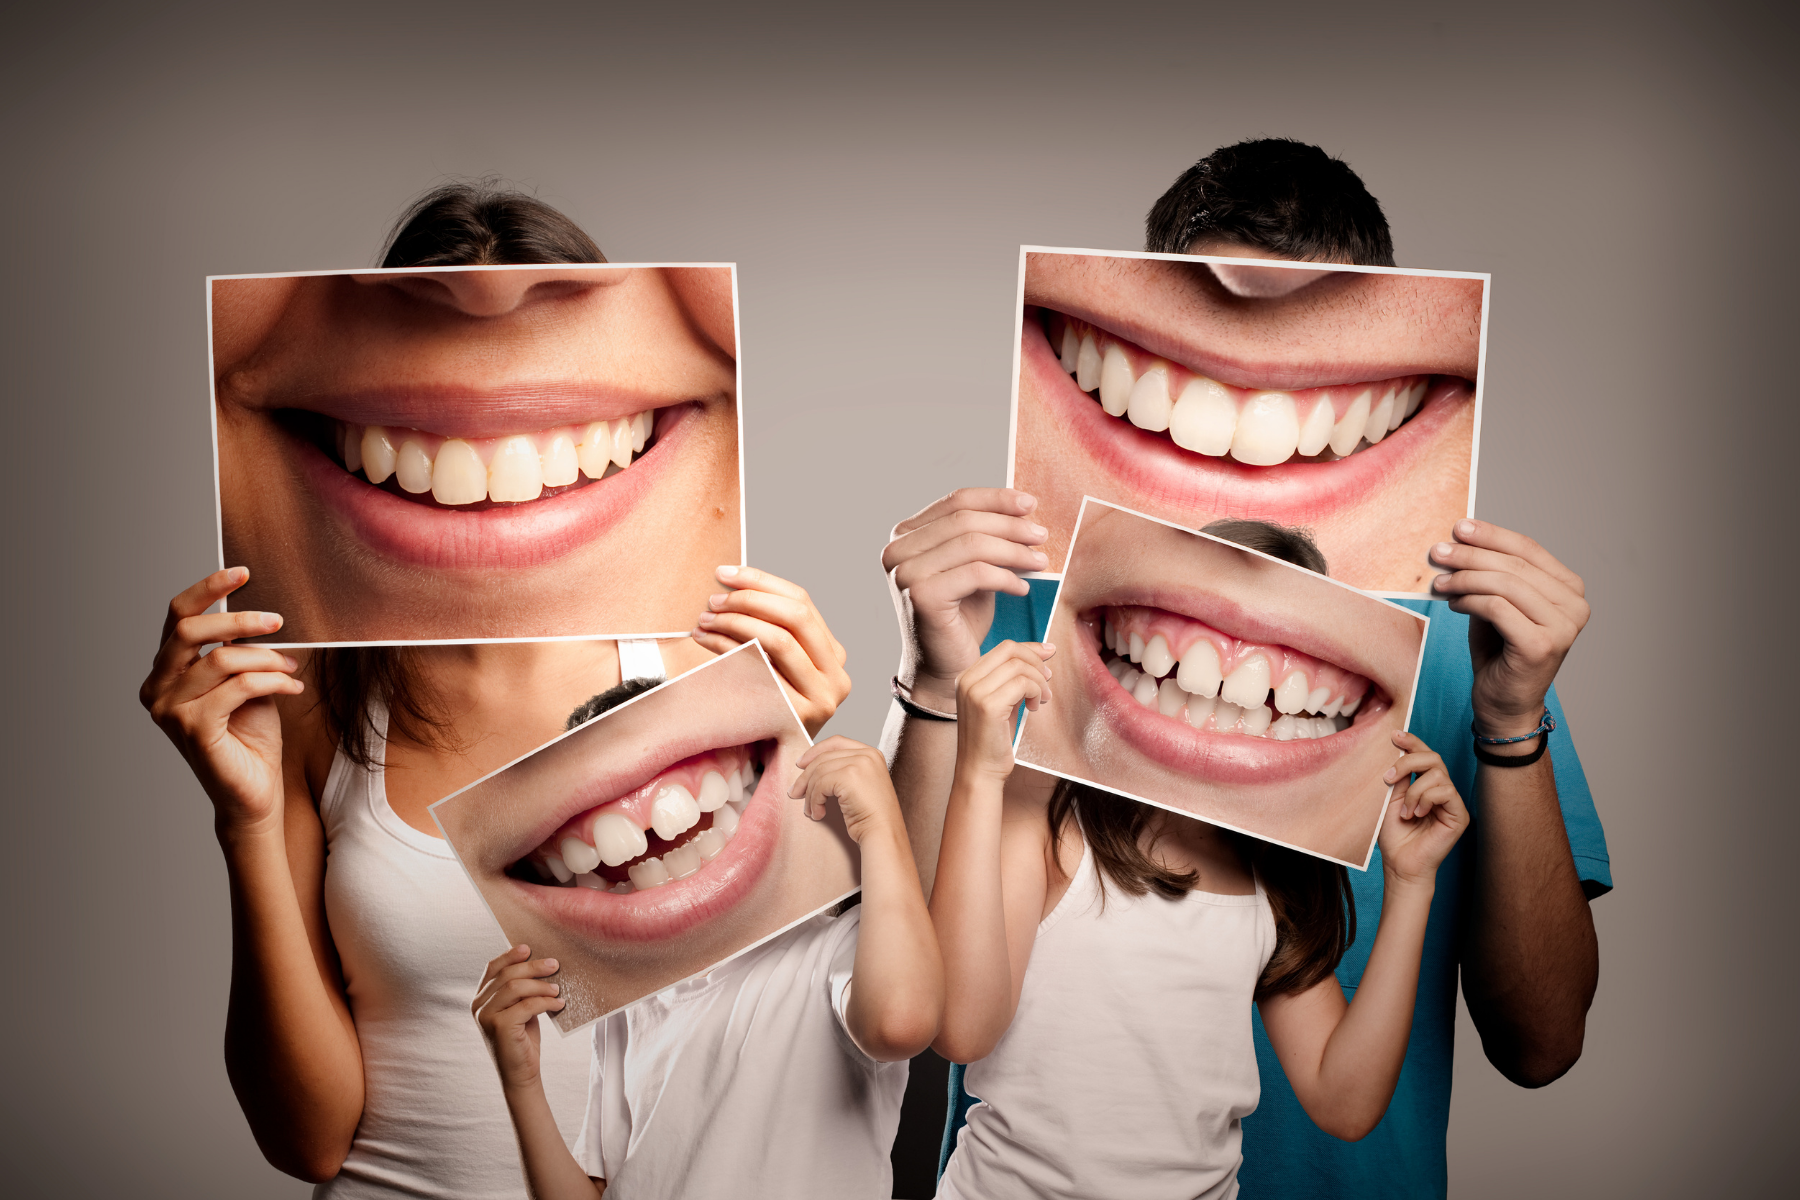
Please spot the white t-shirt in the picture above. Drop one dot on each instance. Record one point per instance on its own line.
(1129, 1063)
(744, 1082)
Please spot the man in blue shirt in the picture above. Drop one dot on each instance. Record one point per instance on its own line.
(1511, 910)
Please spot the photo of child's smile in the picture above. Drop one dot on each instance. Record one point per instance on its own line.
(1221, 683)
(420, 455)
(1340, 400)
(656, 840)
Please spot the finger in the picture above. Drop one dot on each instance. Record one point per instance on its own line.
(499, 962)
(794, 664)
(203, 595)
(950, 588)
(967, 548)
(998, 500)
(212, 711)
(1427, 782)
(1518, 630)
(1412, 764)
(762, 581)
(222, 664)
(1516, 590)
(181, 644)
(1020, 530)
(1494, 537)
(798, 617)
(835, 744)
(1457, 557)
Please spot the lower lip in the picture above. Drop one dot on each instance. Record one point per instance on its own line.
(680, 905)
(525, 535)
(1213, 757)
(1150, 464)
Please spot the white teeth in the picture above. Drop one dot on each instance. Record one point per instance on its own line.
(457, 476)
(1315, 432)
(1115, 381)
(623, 441)
(1169, 698)
(379, 455)
(622, 888)
(1145, 692)
(1136, 647)
(1268, 430)
(708, 844)
(1117, 667)
(558, 868)
(595, 450)
(1347, 434)
(352, 447)
(681, 861)
(1377, 428)
(1157, 659)
(1071, 348)
(1348, 707)
(517, 473)
(1285, 729)
(1415, 395)
(561, 465)
(578, 856)
(1226, 715)
(1087, 364)
(1149, 405)
(1315, 700)
(591, 880)
(648, 874)
(738, 786)
(1399, 413)
(1204, 419)
(1249, 683)
(641, 426)
(1256, 720)
(1290, 697)
(1108, 636)
(1199, 708)
(1199, 671)
(673, 812)
(725, 820)
(412, 467)
(616, 839)
(1129, 678)
(1323, 727)
(714, 792)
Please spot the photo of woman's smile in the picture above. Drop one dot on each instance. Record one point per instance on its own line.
(478, 453)
(656, 840)
(1217, 682)
(1338, 400)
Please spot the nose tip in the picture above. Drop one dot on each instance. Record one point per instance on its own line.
(1263, 283)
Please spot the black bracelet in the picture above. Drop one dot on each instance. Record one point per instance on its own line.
(917, 710)
(1482, 754)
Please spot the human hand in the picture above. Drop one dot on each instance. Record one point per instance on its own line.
(854, 775)
(784, 619)
(1424, 818)
(944, 565)
(219, 708)
(1525, 610)
(514, 991)
(987, 694)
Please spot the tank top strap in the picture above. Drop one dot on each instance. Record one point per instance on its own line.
(641, 658)
(346, 775)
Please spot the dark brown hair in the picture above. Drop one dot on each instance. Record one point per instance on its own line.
(1314, 909)
(457, 225)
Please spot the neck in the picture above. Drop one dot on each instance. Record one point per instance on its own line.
(508, 689)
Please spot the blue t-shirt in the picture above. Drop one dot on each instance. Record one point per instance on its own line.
(1285, 1154)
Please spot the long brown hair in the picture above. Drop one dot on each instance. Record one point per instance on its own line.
(456, 225)
(1314, 909)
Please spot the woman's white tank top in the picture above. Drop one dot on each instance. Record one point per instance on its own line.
(1129, 1063)
(413, 936)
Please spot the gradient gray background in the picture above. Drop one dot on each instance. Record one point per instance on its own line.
(1626, 174)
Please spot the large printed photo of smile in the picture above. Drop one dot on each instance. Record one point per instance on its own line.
(1223, 683)
(1194, 388)
(655, 841)
(479, 453)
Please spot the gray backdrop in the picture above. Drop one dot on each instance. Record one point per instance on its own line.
(1625, 173)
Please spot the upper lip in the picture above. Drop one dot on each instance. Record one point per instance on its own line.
(463, 412)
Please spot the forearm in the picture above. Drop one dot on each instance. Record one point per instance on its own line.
(968, 912)
(921, 758)
(1531, 961)
(897, 994)
(551, 1172)
(290, 1047)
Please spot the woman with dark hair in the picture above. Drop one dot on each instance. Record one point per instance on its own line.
(348, 1041)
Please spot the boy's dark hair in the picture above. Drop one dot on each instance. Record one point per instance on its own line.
(484, 225)
(611, 698)
(1313, 906)
(1283, 196)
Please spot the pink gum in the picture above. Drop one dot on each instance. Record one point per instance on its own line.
(1182, 633)
(635, 805)
(1341, 396)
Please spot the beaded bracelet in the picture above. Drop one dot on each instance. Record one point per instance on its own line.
(1546, 726)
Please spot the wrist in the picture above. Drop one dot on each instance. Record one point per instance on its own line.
(1405, 888)
(1492, 724)
(929, 691)
(241, 835)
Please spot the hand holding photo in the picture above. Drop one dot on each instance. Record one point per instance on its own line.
(1226, 683)
(476, 453)
(655, 840)
(1193, 388)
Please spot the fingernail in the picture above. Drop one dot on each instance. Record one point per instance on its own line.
(1442, 550)
(558, 990)
(237, 574)
(1049, 645)
(716, 601)
(1466, 528)
(271, 620)
(1389, 777)
(1039, 532)
(292, 665)
(552, 963)
(1040, 556)
(728, 572)
(706, 618)
(1439, 582)
(1027, 503)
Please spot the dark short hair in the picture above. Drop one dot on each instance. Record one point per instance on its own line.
(1279, 195)
(1277, 541)
(484, 225)
(610, 699)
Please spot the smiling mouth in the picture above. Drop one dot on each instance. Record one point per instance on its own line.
(1211, 682)
(1256, 427)
(667, 829)
(476, 473)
